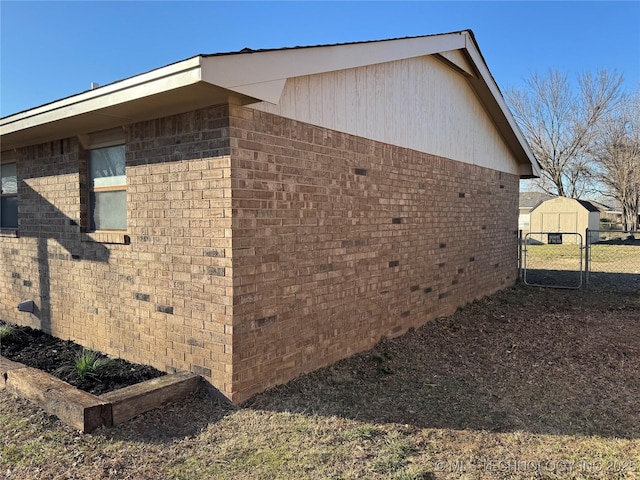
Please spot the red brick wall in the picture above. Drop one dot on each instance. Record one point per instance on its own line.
(164, 298)
(339, 240)
(259, 247)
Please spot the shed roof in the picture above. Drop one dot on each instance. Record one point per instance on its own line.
(251, 76)
(588, 205)
(601, 206)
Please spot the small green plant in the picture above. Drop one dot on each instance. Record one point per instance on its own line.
(87, 363)
(5, 330)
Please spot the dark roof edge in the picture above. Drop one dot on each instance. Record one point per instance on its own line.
(300, 47)
(588, 205)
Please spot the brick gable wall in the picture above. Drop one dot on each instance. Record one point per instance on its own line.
(339, 240)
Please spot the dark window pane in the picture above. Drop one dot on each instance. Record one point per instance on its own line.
(107, 167)
(108, 210)
(9, 212)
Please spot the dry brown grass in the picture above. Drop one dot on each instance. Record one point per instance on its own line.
(529, 383)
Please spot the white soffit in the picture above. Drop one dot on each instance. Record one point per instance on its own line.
(267, 91)
(169, 90)
(255, 76)
(457, 60)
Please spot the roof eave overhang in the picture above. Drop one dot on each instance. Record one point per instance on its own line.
(169, 90)
(490, 95)
(256, 69)
(263, 75)
(247, 78)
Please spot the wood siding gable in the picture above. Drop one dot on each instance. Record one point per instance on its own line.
(419, 103)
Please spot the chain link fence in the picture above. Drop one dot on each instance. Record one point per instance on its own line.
(613, 260)
(602, 259)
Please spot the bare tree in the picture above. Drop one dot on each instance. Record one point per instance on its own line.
(617, 158)
(560, 125)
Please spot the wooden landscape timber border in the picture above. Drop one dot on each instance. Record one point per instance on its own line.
(85, 411)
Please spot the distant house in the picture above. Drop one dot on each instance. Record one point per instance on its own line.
(255, 215)
(527, 202)
(568, 215)
(610, 217)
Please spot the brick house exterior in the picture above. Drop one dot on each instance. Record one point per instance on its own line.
(259, 246)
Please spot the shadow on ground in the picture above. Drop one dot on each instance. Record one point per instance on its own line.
(602, 281)
(554, 278)
(558, 362)
(622, 282)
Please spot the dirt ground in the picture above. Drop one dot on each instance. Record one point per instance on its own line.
(528, 383)
(527, 358)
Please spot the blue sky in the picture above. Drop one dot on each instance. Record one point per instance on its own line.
(50, 50)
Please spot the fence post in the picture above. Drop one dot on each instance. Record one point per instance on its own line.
(587, 249)
(520, 276)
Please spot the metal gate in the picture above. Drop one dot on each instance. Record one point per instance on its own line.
(552, 259)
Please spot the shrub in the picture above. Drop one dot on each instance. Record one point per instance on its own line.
(87, 363)
(5, 330)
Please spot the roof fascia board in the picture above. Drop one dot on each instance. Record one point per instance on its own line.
(233, 71)
(150, 83)
(493, 89)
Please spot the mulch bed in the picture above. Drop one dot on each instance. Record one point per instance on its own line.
(37, 349)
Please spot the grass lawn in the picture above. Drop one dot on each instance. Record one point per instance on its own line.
(528, 383)
(604, 258)
(615, 258)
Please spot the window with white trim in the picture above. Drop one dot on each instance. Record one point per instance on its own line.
(8, 195)
(107, 188)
